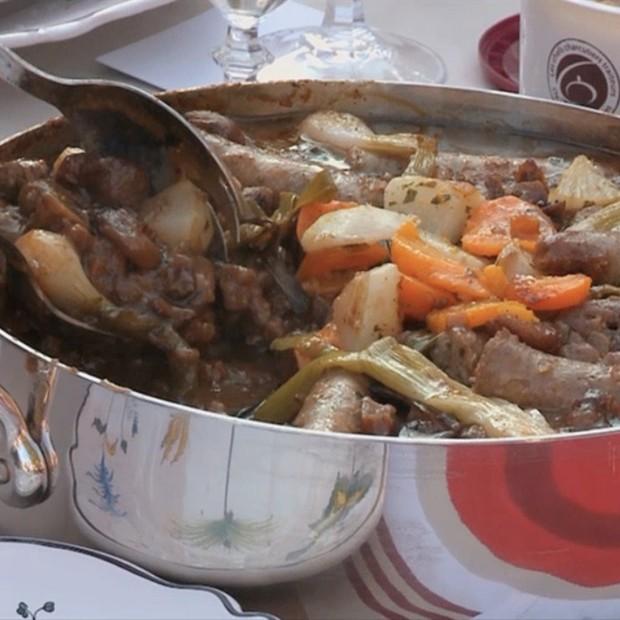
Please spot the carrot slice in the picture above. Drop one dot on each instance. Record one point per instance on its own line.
(494, 223)
(416, 258)
(494, 279)
(476, 314)
(310, 213)
(346, 257)
(550, 292)
(417, 299)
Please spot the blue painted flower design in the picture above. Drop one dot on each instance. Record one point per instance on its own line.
(103, 477)
(24, 611)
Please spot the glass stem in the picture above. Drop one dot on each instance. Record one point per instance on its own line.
(344, 13)
(242, 55)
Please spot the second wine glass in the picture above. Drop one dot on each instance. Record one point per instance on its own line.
(345, 47)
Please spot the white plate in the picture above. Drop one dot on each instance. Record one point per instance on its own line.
(28, 22)
(44, 580)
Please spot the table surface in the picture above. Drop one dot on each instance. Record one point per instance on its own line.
(450, 27)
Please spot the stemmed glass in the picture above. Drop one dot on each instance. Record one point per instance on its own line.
(344, 47)
(242, 54)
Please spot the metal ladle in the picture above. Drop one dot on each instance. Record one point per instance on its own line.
(111, 118)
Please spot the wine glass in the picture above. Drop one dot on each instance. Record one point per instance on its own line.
(344, 47)
(242, 54)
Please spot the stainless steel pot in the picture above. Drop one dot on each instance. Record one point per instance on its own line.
(203, 497)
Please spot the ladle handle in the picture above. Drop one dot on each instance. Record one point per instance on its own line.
(21, 74)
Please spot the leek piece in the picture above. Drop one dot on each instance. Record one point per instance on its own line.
(410, 374)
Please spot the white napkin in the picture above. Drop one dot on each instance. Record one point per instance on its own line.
(180, 56)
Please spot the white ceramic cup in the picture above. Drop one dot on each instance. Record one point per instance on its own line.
(570, 51)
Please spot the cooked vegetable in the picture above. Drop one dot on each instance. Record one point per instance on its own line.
(515, 261)
(495, 280)
(357, 225)
(582, 185)
(180, 216)
(56, 268)
(342, 132)
(417, 299)
(417, 258)
(367, 308)
(452, 252)
(550, 292)
(475, 314)
(495, 223)
(315, 264)
(410, 374)
(320, 189)
(440, 207)
(604, 220)
(311, 212)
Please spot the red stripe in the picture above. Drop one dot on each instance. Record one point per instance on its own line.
(366, 595)
(391, 590)
(405, 572)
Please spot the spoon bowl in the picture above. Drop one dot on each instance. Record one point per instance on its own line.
(116, 119)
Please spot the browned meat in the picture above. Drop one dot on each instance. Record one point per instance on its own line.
(593, 329)
(12, 222)
(105, 267)
(111, 181)
(377, 419)
(542, 335)
(50, 207)
(334, 404)
(125, 231)
(253, 166)
(556, 386)
(263, 196)
(456, 351)
(528, 172)
(217, 124)
(15, 174)
(596, 254)
(243, 291)
(535, 192)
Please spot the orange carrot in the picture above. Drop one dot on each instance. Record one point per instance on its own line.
(550, 292)
(417, 299)
(346, 257)
(327, 335)
(495, 280)
(416, 258)
(476, 314)
(310, 213)
(492, 225)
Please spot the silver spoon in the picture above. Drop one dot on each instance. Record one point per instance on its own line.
(112, 118)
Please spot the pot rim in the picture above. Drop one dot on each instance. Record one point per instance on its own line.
(243, 422)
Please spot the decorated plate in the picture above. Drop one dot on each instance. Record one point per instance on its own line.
(44, 580)
(28, 22)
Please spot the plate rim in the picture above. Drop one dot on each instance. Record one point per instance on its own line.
(70, 29)
(134, 569)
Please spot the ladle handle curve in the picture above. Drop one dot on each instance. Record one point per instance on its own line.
(21, 74)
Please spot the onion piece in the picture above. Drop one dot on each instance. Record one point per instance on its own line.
(515, 261)
(367, 308)
(583, 184)
(440, 206)
(180, 216)
(57, 269)
(363, 224)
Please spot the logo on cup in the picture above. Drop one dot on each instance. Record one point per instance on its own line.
(578, 72)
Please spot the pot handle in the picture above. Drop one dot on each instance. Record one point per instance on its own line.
(26, 474)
